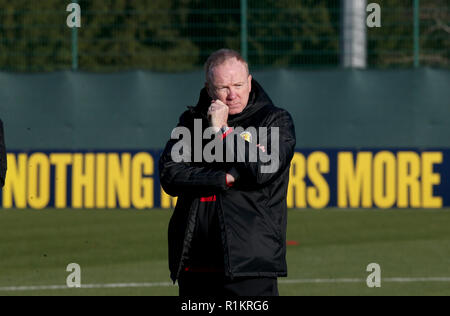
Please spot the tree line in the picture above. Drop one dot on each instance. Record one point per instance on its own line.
(178, 35)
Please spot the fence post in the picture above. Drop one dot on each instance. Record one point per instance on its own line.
(244, 30)
(416, 34)
(353, 42)
(75, 46)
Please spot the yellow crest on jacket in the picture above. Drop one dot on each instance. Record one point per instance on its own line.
(247, 136)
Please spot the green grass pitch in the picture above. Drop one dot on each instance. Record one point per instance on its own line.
(124, 252)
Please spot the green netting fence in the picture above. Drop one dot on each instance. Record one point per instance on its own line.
(178, 35)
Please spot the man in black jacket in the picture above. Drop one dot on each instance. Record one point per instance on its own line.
(227, 235)
(2, 157)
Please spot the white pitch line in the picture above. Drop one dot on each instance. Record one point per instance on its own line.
(321, 281)
(406, 280)
(349, 280)
(168, 284)
(83, 286)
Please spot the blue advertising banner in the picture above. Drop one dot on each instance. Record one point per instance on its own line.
(344, 178)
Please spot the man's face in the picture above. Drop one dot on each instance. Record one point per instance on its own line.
(231, 84)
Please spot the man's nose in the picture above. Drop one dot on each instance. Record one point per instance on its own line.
(231, 95)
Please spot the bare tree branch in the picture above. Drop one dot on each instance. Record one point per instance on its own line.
(442, 26)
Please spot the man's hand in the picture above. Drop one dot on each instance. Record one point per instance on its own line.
(218, 114)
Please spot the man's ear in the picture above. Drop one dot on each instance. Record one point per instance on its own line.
(250, 82)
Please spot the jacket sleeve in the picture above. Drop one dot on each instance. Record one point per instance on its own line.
(279, 143)
(185, 177)
(2, 157)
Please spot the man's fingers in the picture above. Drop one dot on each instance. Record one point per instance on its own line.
(218, 102)
(211, 109)
(218, 114)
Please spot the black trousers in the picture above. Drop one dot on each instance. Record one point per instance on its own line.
(209, 284)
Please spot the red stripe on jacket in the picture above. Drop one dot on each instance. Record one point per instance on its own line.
(208, 199)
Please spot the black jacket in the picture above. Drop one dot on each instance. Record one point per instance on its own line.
(2, 157)
(253, 212)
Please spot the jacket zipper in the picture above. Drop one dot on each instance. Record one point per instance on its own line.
(224, 236)
(184, 251)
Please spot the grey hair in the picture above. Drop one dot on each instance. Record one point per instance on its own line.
(218, 58)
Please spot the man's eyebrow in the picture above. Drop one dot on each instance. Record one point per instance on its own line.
(224, 86)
